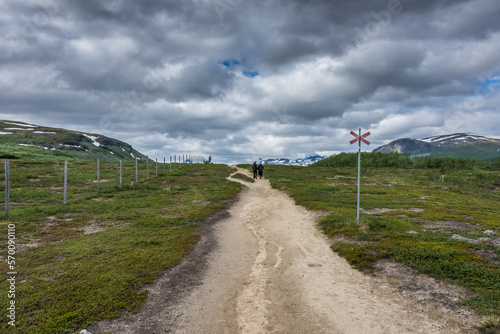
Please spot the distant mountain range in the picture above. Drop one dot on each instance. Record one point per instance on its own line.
(458, 145)
(34, 141)
(297, 162)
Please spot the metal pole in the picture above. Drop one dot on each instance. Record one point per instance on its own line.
(170, 164)
(121, 173)
(65, 182)
(98, 179)
(359, 172)
(136, 172)
(7, 188)
(164, 166)
(147, 167)
(156, 167)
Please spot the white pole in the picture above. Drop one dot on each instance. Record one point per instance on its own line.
(65, 182)
(359, 172)
(121, 173)
(7, 188)
(98, 179)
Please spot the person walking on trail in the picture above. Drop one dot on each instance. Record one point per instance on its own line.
(261, 169)
(254, 169)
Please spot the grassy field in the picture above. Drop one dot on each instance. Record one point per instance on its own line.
(87, 260)
(243, 177)
(412, 216)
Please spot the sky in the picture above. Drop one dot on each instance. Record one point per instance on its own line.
(241, 79)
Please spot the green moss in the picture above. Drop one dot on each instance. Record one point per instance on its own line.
(465, 203)
(72, 279)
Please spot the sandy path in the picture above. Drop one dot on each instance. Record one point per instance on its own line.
(273, 271)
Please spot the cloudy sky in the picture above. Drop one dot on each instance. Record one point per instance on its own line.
(241, 78)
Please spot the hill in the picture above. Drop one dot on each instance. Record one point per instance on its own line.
(457, 145)
(34, 141)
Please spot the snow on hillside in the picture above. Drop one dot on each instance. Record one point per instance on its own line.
(93, 138)
(455, 136)
(297, 162)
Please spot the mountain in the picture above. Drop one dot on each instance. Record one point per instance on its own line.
(34, 141)
(297, 162)
(458, 145)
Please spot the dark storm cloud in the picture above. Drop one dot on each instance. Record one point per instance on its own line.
(299, 68)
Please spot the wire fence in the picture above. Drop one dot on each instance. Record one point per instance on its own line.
(77, 172)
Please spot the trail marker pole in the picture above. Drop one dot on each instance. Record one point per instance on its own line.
(147, 167)
(65, 182)
(164, 166)
(156, 167)
(121, 173)
(136, 172)
(170, 164)
(359, 177)
(359, 138)
(7, 188)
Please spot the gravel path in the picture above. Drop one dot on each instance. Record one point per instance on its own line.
(273, 271)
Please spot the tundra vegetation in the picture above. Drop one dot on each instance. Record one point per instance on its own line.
(430, 214)
(89, 260)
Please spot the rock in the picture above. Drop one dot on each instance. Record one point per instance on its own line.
(489, 232)
(314, 265)
(472, 241)
(412, 232)
(84, 331)
(496, 242)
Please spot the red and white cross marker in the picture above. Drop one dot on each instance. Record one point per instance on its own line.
(360, 138)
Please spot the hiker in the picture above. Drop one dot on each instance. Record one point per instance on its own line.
(254, 169)
(261, 169)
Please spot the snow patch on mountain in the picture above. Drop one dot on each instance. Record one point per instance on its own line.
(93, 138)
(21, 124)
(296, 162)
(455, 136)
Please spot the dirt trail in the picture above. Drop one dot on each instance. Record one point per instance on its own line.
(273, 271)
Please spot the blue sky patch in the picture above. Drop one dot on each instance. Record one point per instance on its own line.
(252, 74)
(230, 62)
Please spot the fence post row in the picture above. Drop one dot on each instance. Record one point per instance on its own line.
(176, 164)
